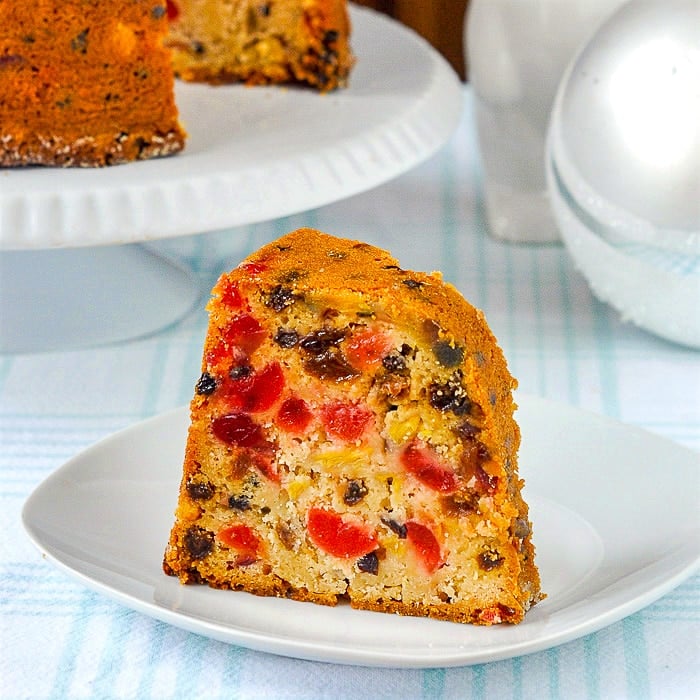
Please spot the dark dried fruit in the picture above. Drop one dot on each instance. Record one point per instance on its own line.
(198, 542)
(200, 490)
(412, 284)
(460, 503)
(240, 372)
(394, 363)
(396, 528)
(239, 502)
(521, 528)
(325, 359)
(354, 492)
(206, 384)
(467, 430)
(330, 366)
(11, 60)
(158, 11)
(369, 563)
(79, 42)
(286, 338)
(450, 396)
(286, 535)
(280, 297)
(448, 355)
(490, 560)
(322, 340)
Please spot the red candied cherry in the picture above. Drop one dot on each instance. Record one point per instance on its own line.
(263, 458)
(173, 10)
(345, 420)
(245, 332)
(251, 391)
(366, 349)
(422, 461)
(241, 337)
(238, 429)
(229, 294)
(348, 539)
(243, 540)
(294, 415)
(424, 545)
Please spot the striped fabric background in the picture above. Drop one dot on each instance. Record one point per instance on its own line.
(58, 640)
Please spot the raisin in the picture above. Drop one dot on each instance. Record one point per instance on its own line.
(521, 528)
(450, 396)
(412, 284)
(80, 41)
(355, 492)
(330, 36)
(200, 490)
(280, 297)
(239, 502)
(448, 355)
(198, 542)
(467, 430)
(490, 560)
(369, 563)
(396, 528)
(198, 48)
(286, 338)
(158, 11)
(394, 363)
(460, 503)
(286, 535)
(240, 371)
(11, 60)
(325, 360)
(321, 341)
(330, 365)
(206, 384)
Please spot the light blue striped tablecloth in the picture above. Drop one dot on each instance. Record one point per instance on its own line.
(59, 640)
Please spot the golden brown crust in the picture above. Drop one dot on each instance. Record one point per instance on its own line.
(85, 84)
(430, 482)
(259, 43)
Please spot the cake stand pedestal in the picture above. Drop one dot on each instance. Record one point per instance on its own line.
(68, 298)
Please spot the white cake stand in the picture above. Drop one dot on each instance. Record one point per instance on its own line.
(74, 270)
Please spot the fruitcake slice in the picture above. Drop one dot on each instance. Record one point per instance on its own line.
(352, 437)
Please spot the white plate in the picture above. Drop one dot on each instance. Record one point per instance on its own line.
(253, 154)
(615, 524)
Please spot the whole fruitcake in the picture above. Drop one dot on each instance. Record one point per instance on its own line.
(85, 83)
(256, 42)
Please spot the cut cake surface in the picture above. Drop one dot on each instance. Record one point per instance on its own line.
(85, 83)
(280, 41)
(352, 437)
